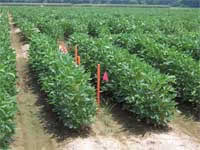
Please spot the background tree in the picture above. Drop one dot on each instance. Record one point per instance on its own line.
(188, 3)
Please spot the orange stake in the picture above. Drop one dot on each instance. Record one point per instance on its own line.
(76, 54)
(78, 60)
(98, 86)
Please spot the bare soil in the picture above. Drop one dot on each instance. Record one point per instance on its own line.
(30, 134)
(38, 128)
(117, 130)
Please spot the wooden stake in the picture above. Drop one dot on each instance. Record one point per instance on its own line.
(76, 54)
(78, 60)
(98, 86)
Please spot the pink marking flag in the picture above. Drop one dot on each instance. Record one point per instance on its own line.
(105, 77)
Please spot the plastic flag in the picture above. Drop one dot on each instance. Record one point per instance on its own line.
(105, 77)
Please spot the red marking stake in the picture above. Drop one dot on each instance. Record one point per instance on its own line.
(98, 85)
(78, 60)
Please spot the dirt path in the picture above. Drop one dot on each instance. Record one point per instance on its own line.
(30, 134)
(118, 131)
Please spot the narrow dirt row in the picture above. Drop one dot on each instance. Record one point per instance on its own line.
(30, 134)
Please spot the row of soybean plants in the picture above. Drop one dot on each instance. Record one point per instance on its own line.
(168, 60)
(180, 60)
(66, 85)
(175, 54)
(157, 112)
(177, 29)
(8, 82)
(180, 33)
(140, 88)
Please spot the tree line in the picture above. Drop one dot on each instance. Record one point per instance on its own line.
(189, 3)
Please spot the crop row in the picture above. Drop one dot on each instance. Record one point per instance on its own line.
(187, 42)
(178, 29)
(168, 60)
(8, 82)
(141, 89)
(66, 84)
(142, 94)
(183, 41)
(174, 58)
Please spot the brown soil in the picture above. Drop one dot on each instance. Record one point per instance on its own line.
(30, 134)
(117, 130)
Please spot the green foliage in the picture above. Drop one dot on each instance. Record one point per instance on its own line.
(166, 39)
(7, 86)
(120, 24)
(140, 88)
(57, 28)
(66, 84)
(189, 43)
(169, 61)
